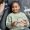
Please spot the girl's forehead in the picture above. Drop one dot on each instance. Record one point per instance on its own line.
(15, 3)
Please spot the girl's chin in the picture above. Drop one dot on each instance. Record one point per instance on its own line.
(15, 12)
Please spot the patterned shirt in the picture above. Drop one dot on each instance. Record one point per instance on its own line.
(16, 17)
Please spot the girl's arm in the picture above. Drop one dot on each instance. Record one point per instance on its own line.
(25, 18)
(8, 22)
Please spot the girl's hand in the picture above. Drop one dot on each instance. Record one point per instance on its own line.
(14, 24)
(23, 23)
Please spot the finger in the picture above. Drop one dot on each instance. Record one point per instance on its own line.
(21, 24)
(23, 21)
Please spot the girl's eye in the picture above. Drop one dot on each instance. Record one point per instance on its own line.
(15, 6)
(12, 6)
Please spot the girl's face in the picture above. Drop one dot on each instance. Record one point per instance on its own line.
(15, 7)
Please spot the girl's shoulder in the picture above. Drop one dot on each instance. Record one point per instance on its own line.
(22, 13)
(10, 14)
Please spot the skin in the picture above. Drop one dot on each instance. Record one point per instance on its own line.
(15, 7)
(22, 23)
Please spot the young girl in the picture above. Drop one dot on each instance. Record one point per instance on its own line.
(16, 20)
